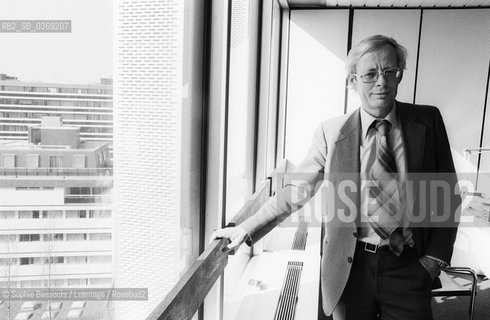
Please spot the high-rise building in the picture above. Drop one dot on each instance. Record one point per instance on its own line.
(55, 209)
(88, 106)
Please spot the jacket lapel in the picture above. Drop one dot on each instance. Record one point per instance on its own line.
(347, 162)
(348, 144)
(413, 136)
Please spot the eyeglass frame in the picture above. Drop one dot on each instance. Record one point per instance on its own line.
(382, 72)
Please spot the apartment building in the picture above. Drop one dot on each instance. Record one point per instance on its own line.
(55, 209)
(23, 104)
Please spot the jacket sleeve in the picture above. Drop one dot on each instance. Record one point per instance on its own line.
(442, 236)
(299, 187)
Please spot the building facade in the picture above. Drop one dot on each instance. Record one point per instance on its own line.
(23, 104)
(55, 209)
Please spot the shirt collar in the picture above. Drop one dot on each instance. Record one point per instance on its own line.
(367, 119)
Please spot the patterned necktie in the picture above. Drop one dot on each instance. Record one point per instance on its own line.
(384, 213)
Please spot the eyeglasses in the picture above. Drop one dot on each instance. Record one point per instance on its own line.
(388, 74)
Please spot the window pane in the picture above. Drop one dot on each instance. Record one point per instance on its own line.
(76, 260)
(76, 237)
(29, 237)
(32, 161)
(79, 161)
(100, 236)
(243, 91)
(53, 237)
(55, 162)
(53, 214)
(241, 109)
(100, 259)
(7, 238)
(7, 214)
(103, 214)
(8, 161)
(100, 281)
(76, 214)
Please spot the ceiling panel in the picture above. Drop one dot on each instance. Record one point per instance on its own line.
(389, 3)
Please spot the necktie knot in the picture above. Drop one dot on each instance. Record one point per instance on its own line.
(383, 127)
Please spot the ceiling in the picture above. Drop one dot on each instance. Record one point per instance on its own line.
(390, 3)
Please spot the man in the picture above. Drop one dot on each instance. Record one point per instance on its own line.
(376, 260)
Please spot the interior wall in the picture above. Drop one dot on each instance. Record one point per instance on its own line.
(454, 53)
(316, 81)
(452, 71)
(484, 176)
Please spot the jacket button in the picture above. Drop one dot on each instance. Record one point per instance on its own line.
(355, 234)
(349, 259)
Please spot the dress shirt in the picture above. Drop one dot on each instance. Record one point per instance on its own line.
(368, 156)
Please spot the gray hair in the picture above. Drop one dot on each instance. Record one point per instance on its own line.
(371, 44)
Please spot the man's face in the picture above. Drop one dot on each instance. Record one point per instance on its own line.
(376, 97)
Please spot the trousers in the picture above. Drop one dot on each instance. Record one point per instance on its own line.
(384, 286)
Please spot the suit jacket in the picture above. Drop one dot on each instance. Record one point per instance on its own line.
(334, 157)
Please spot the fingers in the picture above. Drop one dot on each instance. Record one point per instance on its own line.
(234, 244)
(222, 233)
(215, 235)
(236, 235)
(394, 251)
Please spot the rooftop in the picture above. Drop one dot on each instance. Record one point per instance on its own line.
(24, 145)
(14, 81)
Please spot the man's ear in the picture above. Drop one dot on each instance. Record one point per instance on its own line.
(351, 81)
(401, 77)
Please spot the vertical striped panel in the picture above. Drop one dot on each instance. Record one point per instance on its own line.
(148, 44)
(301, 235)
(288, 298)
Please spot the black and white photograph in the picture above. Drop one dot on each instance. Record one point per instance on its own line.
(244, 159)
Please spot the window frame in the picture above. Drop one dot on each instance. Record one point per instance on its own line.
(9, 160)
(267, 113)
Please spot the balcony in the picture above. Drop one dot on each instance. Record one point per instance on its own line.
(54, 225)
(33, 172)
(88, 199)
(58, 269)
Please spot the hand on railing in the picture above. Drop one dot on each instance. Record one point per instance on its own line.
(235, 234)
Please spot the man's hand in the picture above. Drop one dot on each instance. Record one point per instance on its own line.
(236, 235)
(431, 266)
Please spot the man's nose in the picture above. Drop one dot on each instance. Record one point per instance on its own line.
(381, 79)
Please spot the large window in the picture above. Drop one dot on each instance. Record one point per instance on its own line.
(7, 215)
(29, 214)
(76, 237)
(32, 161)
(8, 160)
(55, 161)
(242, 102)
(245, 115)
(56, 119)
(29, 237)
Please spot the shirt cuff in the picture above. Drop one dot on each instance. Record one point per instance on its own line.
(442, 264)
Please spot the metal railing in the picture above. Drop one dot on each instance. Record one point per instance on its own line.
(88, 198)
(45, 171)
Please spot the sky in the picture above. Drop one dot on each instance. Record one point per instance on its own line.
(82, 56)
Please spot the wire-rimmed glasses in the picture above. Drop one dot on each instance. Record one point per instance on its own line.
(388, 74)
